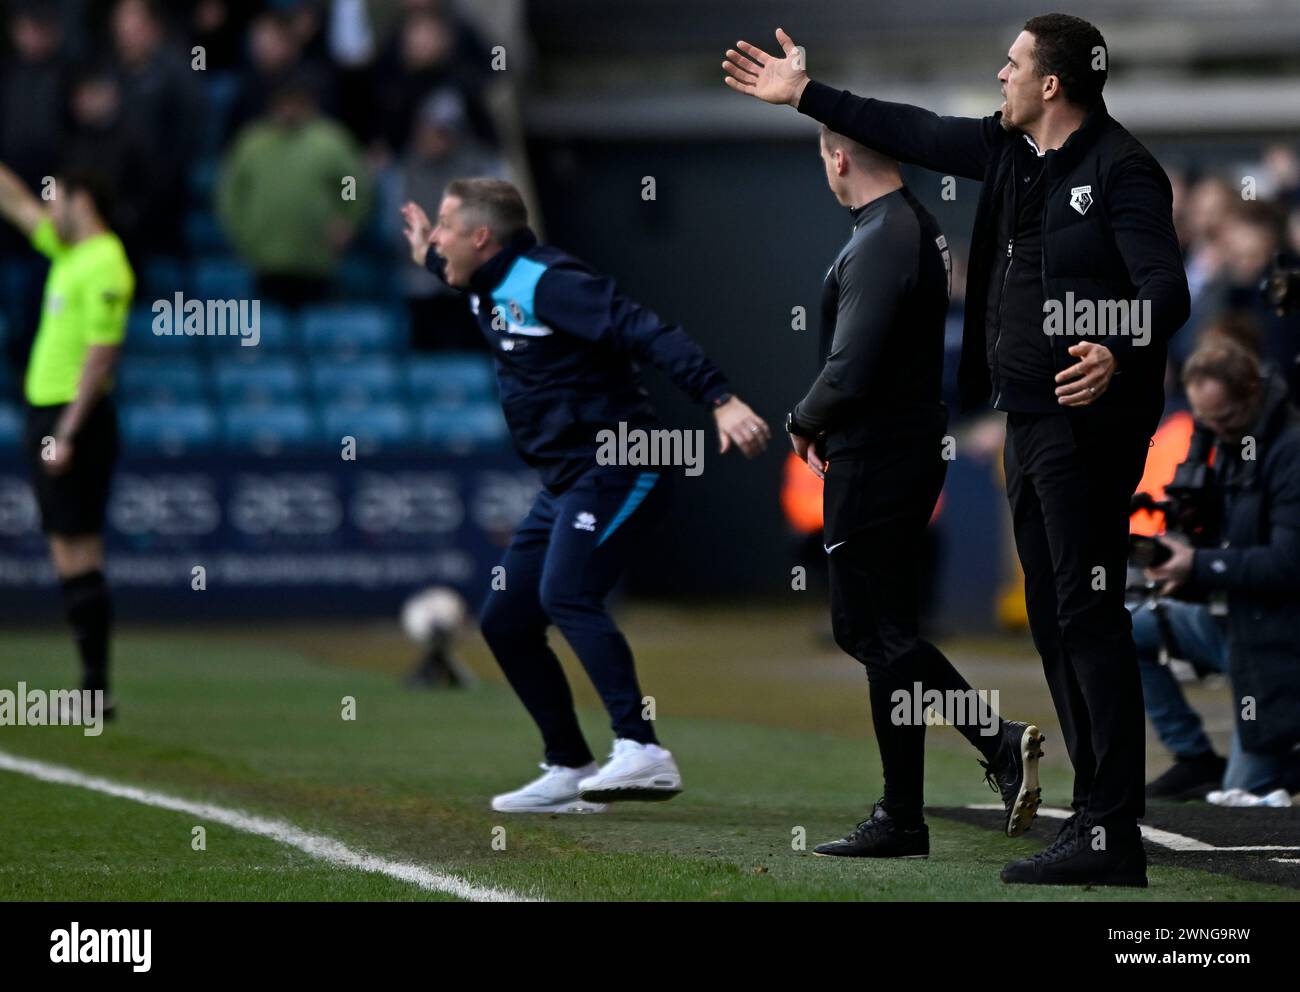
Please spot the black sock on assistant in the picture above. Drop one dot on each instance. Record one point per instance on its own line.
(902, 755)
(90, 614)
(937, 672)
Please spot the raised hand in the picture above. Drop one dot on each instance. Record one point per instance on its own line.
(773, 80)
(416, 229)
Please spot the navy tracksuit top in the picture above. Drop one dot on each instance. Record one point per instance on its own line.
(567, 345)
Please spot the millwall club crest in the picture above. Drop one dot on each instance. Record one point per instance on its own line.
(1081, 198)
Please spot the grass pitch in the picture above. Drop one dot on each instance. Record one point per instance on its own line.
(768, 722)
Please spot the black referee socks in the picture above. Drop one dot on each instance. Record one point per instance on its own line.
(90, 613)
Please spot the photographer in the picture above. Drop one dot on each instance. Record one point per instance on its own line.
(1255, 570)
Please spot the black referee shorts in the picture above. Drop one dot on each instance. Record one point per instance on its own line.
(73, 503)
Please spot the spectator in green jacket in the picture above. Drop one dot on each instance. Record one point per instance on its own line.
(293, 192)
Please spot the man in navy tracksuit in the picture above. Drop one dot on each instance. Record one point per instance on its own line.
(1073, 210)
(567, 346)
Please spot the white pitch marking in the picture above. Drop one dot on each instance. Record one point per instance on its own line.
(316, 845)
(1165, 838)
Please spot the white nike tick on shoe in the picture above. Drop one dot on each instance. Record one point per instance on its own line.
(635, 771)
(555, 792)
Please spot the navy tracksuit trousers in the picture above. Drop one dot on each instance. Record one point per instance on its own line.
(565, 558)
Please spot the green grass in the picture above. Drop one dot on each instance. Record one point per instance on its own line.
(769, 726)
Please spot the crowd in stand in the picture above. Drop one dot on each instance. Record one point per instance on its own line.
(234, 127)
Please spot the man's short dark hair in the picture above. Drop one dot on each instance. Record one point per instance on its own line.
(91, 182)
(867, 158)
(1224, 361)
(493, 203)
(1073, 51)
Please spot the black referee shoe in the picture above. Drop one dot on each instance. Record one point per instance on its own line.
(879, 836)
(1081, 856)
(1013, 773)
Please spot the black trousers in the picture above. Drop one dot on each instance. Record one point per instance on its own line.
(877, 509)
(1070, 477)
(565, 558)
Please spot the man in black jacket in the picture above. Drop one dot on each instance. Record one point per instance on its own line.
(1253, 575)
(872, 426)
(1073, 237)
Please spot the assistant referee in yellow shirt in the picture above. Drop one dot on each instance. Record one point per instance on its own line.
(71, 436)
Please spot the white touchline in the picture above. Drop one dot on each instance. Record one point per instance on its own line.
(1165, 838)
(317, 845)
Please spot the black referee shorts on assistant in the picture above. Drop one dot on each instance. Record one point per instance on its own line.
(74, 502)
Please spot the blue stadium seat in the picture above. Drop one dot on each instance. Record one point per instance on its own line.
(203, 178)
(203, 233)
(161, 381)
(384, 425)
(348, 330)
(141, 339)
(11, 426)
(221, 277)
(268, 430)
(451, 379)
(171, 430)
(260, 381)
(462, 429)
(357, 383)
(160, 278)
(275, 329)
(366, 277)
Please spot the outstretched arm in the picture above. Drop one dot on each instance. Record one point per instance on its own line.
(590, 306)
(961, 146)
(17, 204)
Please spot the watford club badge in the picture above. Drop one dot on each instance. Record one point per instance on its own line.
(1081, 198)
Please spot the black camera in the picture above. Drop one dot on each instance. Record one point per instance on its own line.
(1281, 287)
(1192, 508)
(1193, 505)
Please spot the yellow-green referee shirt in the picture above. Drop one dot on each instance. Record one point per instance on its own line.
(87, 297)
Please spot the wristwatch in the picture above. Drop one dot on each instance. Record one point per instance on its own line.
(792, 427)
(722, 400)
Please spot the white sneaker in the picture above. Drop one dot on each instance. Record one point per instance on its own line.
(554, 792)
(1277, 799)
(634, 771)
(1231, 797)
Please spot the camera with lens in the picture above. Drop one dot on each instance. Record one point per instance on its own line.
(1192, 508)
(1281, 287)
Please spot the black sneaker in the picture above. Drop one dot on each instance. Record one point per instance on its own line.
(879, 836)
(1072, 859)
(1189, 778)
(1013, 773)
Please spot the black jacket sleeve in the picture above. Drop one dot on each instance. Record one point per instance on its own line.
(1271, 567)
(1139, 203)
(961, 146)
(873, 275)
(588, 305)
